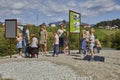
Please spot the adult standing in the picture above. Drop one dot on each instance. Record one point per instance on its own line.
(26, 38)
(84, 42)
(61, 33)
(43, 39)
(91, 43)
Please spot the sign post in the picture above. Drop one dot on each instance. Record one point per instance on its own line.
(74, 25)
(10, 31)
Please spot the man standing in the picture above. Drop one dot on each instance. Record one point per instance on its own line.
(26, 38)
(61, 33)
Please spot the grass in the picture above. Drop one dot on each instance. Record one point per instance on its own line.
(100, 33)
(108, 32)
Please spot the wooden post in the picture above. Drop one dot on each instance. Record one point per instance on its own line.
(69, 34)
(71, 24)
(10, 48)
(10, 31)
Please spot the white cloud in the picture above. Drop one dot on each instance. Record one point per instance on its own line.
(16, 11)
(18, 5)
(72, 3)
(54, 19)
(53, 7)
(96, 7)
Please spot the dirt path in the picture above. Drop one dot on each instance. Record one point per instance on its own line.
(106, 66)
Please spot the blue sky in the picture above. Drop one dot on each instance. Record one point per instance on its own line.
(39, 11)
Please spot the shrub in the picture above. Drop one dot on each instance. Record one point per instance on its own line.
(116, 40)
(107, 41)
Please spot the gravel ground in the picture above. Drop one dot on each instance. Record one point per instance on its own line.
(73, 67)
(36, 70)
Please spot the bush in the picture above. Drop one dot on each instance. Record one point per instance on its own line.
(116, 40)
(74, 41)
(107, 41)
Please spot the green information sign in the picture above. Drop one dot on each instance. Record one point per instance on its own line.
(74, 21)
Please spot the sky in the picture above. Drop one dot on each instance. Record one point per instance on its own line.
(39, 11)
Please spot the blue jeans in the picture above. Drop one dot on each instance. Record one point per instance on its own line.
(61, 42)
(56, 49)
(25, 42)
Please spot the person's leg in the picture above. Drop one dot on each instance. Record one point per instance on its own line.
(33, 52)
(57, 49)
(60, 45)
(42, 49)
(98, 49)
(21, 52)
(25, 47)
(54, 51)
(92, 52)
(45, 48)
(36, 52)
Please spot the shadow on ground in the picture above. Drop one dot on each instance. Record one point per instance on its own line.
(96, 58)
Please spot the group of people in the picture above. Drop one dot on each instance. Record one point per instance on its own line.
(89, 42)
(31, 44)
(60, 41)
(60, 45)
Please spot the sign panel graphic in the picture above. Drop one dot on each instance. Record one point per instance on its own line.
(74, 21)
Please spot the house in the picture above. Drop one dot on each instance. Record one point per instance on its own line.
(107, 27)
(52, 25)
(85, 25)
(114, 27)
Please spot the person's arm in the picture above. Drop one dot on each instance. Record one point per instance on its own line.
(32, 41)
(54, 39)
(28, 36)
(46, 36)
(17, 39)
(98, 42)
(58, 31)
(37, 41)
(20, 28)
(83, 35)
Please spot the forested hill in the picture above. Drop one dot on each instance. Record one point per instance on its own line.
(109, 23)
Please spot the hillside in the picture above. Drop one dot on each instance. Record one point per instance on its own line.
(110, 23)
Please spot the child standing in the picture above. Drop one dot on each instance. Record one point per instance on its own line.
(56, 44)
(34, 46)
(83, 42)
(19, 45)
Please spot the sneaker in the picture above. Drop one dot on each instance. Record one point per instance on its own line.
(56, 55)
